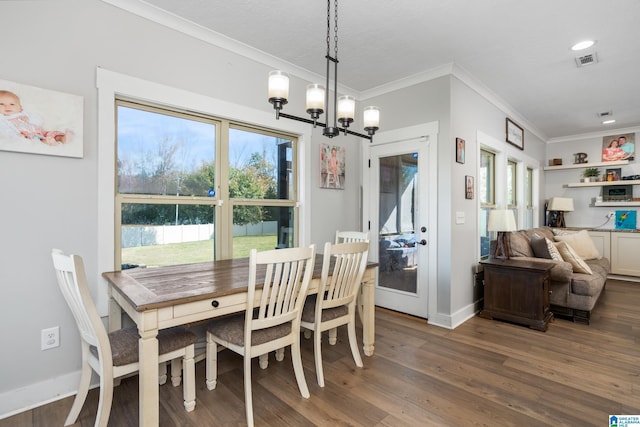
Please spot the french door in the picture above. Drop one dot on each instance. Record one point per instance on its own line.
(400, 231)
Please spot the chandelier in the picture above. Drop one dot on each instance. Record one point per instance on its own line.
(318, 95)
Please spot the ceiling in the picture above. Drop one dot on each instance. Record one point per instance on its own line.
(518, 51)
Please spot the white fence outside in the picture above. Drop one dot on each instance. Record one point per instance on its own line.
(143, 235)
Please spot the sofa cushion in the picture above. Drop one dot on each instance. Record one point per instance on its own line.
(569, 255)
(581, 243)
(587, 284)
(520, 246)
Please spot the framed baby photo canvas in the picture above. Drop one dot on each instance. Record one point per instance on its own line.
(40, 121)
(332, 166)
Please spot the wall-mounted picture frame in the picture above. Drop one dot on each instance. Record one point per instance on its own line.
(40, 121)
(514, 134)
(468, 187)
(332, 166)
(460, 143)
(618, 147)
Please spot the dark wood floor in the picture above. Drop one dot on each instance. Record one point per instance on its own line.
(483, 373)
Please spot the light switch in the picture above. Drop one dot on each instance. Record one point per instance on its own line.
(459, 217)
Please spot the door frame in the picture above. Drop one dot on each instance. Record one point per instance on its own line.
(430, 132)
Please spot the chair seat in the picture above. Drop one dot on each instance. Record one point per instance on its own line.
(231, 329)
(309, 312)
(124, 343)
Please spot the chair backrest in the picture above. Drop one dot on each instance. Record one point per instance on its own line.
(351, 236)
(72, 281)
(285, 275)
(347, 262)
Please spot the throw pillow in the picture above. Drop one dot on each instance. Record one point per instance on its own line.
(539, 246)
(582, 243)
(544, 248)
(569, 255)
(553, 251)
(562, 232)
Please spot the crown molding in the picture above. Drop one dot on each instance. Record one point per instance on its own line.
(170, 20)
(599, 134)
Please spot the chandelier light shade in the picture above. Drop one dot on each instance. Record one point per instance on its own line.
(278, 89)
(344, 107)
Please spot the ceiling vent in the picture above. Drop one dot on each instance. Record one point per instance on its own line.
(589, 59)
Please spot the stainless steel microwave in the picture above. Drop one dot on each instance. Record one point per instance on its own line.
(617, 192)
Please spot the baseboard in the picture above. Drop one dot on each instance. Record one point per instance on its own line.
(625, 278)
(19, 400)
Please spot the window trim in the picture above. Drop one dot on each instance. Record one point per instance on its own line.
(110, 85)
(503, 154)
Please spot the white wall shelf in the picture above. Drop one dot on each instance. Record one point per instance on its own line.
(616, 204)
(587, 165)
(604, 183)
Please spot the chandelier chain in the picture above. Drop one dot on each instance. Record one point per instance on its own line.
(328, 28)
(335, 28)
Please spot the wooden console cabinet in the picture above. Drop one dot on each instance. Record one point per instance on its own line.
(517, 291)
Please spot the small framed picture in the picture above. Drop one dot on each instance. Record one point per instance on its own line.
(460, 150)
(613, 174)
(468, 187)
(515, 134)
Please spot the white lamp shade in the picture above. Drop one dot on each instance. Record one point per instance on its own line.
(561, 204)
(346, 107)
(278, 84)
(501, 220)
(371, 117)
(315, 97)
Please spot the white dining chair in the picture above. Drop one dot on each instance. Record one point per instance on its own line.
(351, 236)
(284, 276)
(343, 266)
(112, 355)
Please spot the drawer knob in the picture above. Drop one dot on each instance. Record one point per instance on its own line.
(215, 303)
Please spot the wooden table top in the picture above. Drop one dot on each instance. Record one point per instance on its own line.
(157, 287)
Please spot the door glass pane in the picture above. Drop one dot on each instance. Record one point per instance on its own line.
(167, 234)
(397, 213)
(263, 228)
(164, 154)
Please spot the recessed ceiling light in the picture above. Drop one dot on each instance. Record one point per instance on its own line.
(583, 45)
(608, 122)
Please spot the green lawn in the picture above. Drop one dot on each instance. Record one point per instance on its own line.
(190, 252)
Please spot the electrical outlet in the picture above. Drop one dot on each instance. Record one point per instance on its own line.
(50, 338)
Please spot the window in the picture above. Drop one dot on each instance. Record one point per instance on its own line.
(507, 180)
(194, 188)
(512, 187)
(486, 193)
(528, 198)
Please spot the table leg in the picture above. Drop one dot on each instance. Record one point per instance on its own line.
(149, 390)
(115, 314)
(368, 312)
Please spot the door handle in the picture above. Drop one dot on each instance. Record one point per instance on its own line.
(423, 242)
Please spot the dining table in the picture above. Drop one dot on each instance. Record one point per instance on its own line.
(162, 297)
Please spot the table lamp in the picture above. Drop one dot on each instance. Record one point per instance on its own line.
(502, 221)
(558, 206)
